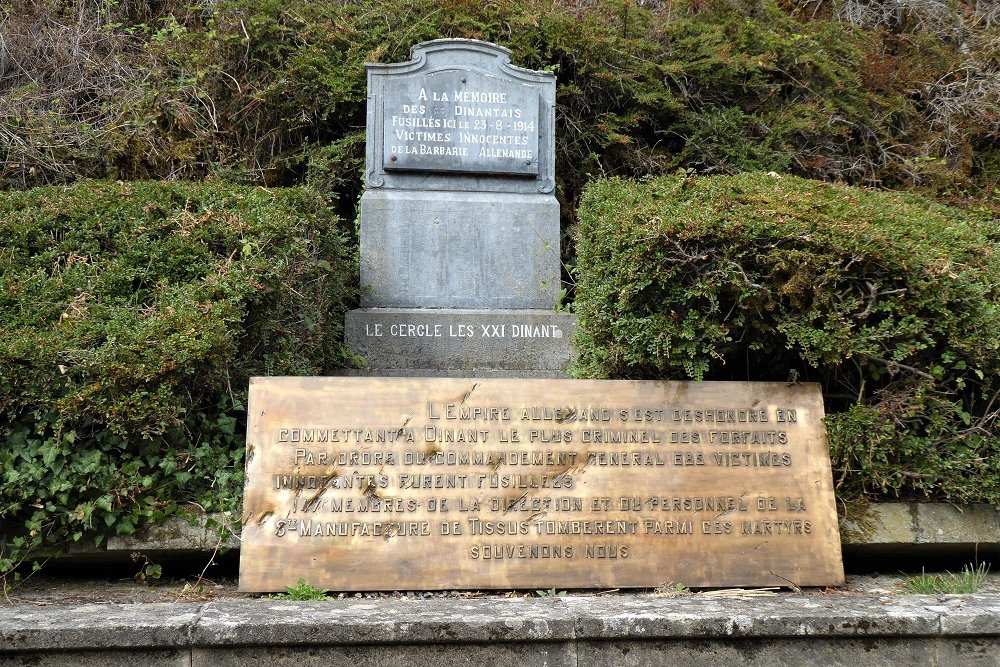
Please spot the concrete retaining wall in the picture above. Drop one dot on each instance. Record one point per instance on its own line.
(835, 629)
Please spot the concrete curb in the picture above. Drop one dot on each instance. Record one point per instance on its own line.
(916, 529)
(573, 630)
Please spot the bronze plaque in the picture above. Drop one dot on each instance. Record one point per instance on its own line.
(357, 484)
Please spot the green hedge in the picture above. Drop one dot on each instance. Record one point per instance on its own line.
(131, 316)
(889, 301)
(273, 91)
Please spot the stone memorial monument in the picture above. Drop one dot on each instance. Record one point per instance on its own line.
(477, 480)
(460, 271)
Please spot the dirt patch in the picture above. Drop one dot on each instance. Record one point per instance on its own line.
(48, 590)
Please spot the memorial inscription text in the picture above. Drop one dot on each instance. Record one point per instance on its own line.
(461, 120)
(524, 478)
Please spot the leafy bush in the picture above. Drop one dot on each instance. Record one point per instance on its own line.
(890, 301)
(131, 317)
(273, 91)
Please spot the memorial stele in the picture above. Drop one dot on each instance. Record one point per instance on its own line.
(460, 271)
(492, 475)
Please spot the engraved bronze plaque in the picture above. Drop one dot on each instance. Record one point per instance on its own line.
(358, 484)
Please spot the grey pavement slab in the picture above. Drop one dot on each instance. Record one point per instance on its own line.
(489, 620)
(623, 629)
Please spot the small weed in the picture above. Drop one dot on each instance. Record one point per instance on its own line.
(551, 593)
(969, 580)
(302, 590)
(193, 592)
(671, 589)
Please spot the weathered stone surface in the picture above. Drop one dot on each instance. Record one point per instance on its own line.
(978, 652)
(375, 655)
(438, 249)
(176, 537)
(763, 652)
(109, 658)
(463, 341)
(938, 523)
(968, 614)
(399, 620)
(690, 617)
(849, 630)
(95, 626)
(920, 528)
(201, 534)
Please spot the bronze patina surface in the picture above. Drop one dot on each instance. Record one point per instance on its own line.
(360, 484)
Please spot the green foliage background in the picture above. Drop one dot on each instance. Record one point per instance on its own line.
(890, 301)
(874, 92)
(131, 318)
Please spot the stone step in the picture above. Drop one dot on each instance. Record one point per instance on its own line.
(575, 630)
(856, 625)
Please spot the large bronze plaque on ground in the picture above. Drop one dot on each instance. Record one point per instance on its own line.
(415, 483)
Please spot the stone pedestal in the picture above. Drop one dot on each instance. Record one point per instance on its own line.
(446, 249)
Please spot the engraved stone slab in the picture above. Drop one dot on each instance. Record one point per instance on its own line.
(461, 120)
(459, 250)
(421, 484)
(461, 340)
(459, 109)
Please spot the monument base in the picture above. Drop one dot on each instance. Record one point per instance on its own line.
(465, 343)
(448, 249)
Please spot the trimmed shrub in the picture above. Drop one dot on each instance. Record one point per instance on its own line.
(890, 301)
(131, 317)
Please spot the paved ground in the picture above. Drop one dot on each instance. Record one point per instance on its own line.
(48, 590)
(118, 622)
